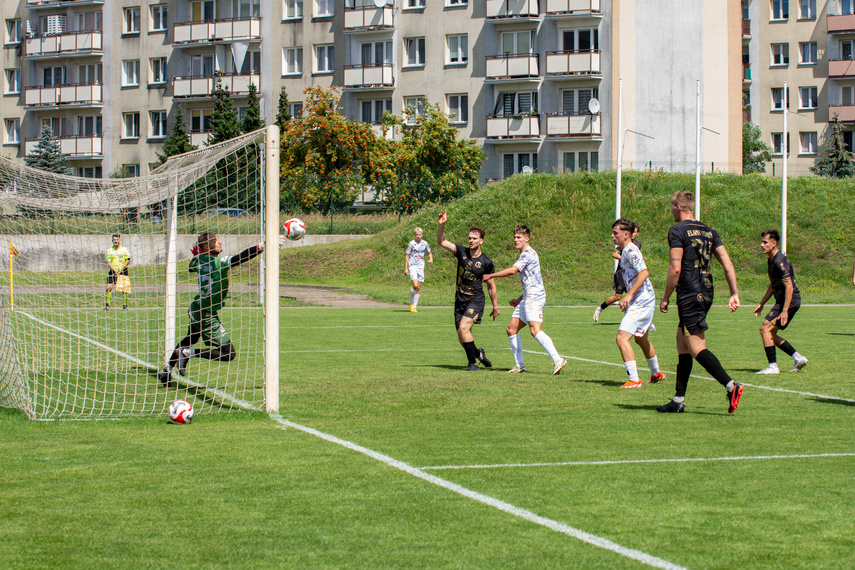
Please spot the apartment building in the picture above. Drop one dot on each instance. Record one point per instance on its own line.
(538, 83)
(810, 46)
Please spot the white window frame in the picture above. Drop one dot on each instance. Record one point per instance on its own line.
(778, 99)
(292, 61)
(13, 81)
(295, 108)
(368, 53)
(13, 131)
(847, 7)
(89, 125)
(780, 55)
(458, 49)
(580, 161)
(14, 33)
(130, 73)
(808, 49)
(243, 9)
(415, 52)
(456, 3)
(158, 70)
(133, 170)
(517, 161)
(415, 5)
(324, 8)
(133, 25)
(457, 106)
(324, 58)
(159, 14)
(780, 10)
(515, 37)
(131, 125)
(847, 96)
(203, 117)
(579, 99)
(510, 103)
(807, 9)
(417, 102)
(159, 124)
(593, 39)
(808, 143)
(808, 98)
(292, 10)
(88, 171)
(777, 140)
(376, 108)
(847, 45)
(90, 73)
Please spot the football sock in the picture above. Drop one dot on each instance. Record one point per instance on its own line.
(653, 363)
(412, 292)
(711, 364)
(125, 299)
(516, 348)
(631, 370)
(788, 349)
(603, 306)
(796, 356)
(679, 399)
(770, 354)
(415, 300)
(684, 370)
(109, 296)
(471, 351)
(191, 352)
(225, 353)
(547, 345)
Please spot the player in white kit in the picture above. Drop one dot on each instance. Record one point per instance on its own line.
(414, 266)
(639, 304)
(528, 308)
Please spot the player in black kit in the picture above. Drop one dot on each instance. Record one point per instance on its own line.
(692, 246)
(472, 264)
(782, 284)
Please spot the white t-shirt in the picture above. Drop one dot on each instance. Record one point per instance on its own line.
(631, 264)
(416, 251)
(529, 266)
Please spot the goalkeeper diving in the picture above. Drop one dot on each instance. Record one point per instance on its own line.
(213, 276)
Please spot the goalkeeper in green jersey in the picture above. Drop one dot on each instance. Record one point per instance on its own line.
(213, 272)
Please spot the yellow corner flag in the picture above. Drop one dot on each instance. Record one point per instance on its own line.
(13, 253)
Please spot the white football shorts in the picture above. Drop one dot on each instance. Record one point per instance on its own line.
(530, 310)
(417, 273)
(637, 320)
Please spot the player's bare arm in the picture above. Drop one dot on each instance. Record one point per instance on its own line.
(512, 270)
(430, 257)
(766, 297)
(440, 233)
(639, 281)
(730, 276)
(407, 264)
(494, 297)
(675, 267)
(515, 302)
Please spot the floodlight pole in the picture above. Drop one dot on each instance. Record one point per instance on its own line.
(698, 153)
(619, 153)
(786, 148)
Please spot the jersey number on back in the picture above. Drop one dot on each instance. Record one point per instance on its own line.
(703, 251)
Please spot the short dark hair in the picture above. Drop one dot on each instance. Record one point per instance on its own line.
(477, 229)
(625, 225)
(772, 234)
(117, 235)
(521, 229)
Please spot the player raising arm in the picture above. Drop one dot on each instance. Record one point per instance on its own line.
(469, 300)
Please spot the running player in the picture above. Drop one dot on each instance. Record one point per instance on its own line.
(639, 304)
(620, 289)
(213, 274)
(528, 308)
(692, 246)
(472, 264)
(782, 284)
(118, 259)
(414, 266)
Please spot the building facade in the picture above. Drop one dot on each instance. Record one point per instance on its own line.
(538, 83)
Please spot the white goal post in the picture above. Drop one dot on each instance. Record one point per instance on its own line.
(87, 323)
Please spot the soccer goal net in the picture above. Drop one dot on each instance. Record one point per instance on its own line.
(104, 278)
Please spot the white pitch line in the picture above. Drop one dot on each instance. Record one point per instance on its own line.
(568, 530)
(623, 461)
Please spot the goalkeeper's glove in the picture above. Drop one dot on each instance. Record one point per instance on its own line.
(195, 250)
(281, 242)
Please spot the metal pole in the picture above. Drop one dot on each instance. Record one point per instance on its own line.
(619, 153)
(786, 148)
(698, 154)
(271, 267)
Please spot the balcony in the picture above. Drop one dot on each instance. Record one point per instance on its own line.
(841, 68)
(67, 95)
(846, 113)
(512, 66)
(66, 44)
(746, 73)
(515, 10)
(199, 138)
(217, 31)
(389, 133)
(42, 4)
(577, 125)
(573, 8)
(746, 29)
(573, 63)
(841, 24)
(75, 147)
(200, 86)
(361, 18)
(513, 127)
(373, 76)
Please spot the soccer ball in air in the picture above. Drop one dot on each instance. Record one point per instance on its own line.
(294, 229)
(181, 412)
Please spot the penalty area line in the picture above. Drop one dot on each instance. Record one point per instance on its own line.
(556, 526)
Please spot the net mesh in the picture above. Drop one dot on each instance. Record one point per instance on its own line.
(71, 349)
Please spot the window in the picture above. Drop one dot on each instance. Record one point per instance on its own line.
(807, 53)
(415, 4)
(251, 63)
(52, 25)
(203, 11)
(376, 53)
(516, 103)
(13, 81)
(158, 70)
(847, 7)
(200, 120)
(518, 162)
(202, 66)
(295, 109)
(458, 49)
(847, 96)
(89, 125)
(56, 125)
(246, 9)
(89, 21)
(582, 161)
(13, 131)
(158, 18)
(292, 63)
(847, 49)
(133, 170)
(777, 143)
(581, 40)
(324, 59)
(158, 124)
(324, 8)
(53, 75)
(13, 31)
(415, 50)
(778, 99)
(130, 72)
(88, 172)
(807, 9)
(849, 140)
(132, 125)
(808, 98)
(293, 9)
(745, 9)
(780, 54)
(807, 143)
(132, 20)
(90, 73)
(575, 101)
(458, 108)
(372, 111)
(416, 104)
(780, 9)
(457, 2)
(518, 43)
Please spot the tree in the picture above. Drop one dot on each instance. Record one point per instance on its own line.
(178, 141)
(755, 152)
(47, 154)
(253, 121)
(835, 161)
(224, 120)
(282, 114)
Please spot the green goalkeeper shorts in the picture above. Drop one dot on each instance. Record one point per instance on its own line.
(207, 324)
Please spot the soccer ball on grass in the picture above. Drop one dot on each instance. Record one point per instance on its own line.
(181, 412)
(294, 229)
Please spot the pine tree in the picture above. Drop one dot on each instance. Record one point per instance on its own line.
(835, 161)
(253, 120)
(282, 115)
(47, 154)
(178, 141)
(224, 119)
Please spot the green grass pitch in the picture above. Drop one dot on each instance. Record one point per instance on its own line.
(769, 486)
